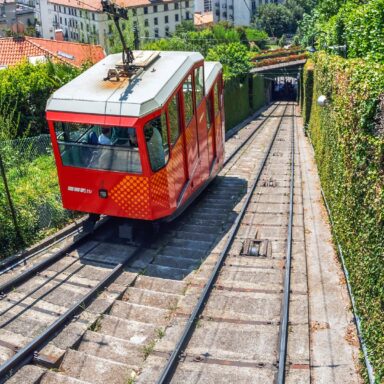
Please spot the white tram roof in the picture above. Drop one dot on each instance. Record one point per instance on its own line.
(142, 94)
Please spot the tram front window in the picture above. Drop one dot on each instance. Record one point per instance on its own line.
(98, 147)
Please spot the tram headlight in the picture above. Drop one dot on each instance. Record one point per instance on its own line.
(103, 193)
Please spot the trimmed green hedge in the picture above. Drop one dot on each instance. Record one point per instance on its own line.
(242, 97)
(348, 137)
(307, 89)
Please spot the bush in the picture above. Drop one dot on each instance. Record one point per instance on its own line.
(306, 99)
(27, 87)
(348, 139)
(234, 57)
(34, 189)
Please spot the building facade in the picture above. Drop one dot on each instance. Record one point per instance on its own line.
(237, 12)
(14, 17)
(84, 20)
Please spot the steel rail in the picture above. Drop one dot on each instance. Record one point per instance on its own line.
(38, 267)
(172, 363)
(14, 261)
(283, 332)
(7, 266)
(26, 354)
(250, 137)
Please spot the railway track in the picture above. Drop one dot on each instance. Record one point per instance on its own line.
(107, 312)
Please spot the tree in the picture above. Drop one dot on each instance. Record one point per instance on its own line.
(275, 19)
(234, 57)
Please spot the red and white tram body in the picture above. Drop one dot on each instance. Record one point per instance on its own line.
(143, 147)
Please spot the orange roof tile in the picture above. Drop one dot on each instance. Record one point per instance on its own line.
(13, 51)
(201, 19)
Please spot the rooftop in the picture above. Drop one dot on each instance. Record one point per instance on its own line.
(203, 19)
(13, 51)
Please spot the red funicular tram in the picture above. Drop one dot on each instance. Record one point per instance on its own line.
(140, 146)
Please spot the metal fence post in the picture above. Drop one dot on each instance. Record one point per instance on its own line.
(10, 202)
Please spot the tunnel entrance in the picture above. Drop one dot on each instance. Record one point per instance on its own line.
(284, 88)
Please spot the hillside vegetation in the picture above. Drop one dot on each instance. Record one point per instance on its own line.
(348, 137)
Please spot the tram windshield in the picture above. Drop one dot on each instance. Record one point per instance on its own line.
(98, 147)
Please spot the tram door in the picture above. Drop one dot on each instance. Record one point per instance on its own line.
(178, 150)
(191, 139)
(211, 130)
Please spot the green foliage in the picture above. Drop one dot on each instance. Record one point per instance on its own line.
(220, 42)
(256, 36)
(348, 137)
(282, 18)
(234, 57)
(26, 88)
(276, 19)
(307, 95)
(282, 41)
(186, 39)
(358, 25)
(242, 97)
(35, 193)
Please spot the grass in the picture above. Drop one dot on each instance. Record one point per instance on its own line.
(148, 349)
(96, 325)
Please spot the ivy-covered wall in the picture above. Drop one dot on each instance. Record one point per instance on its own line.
(307, 91)
(348, 137)
(242, 97)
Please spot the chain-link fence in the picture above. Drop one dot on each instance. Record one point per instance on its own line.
(30, 202)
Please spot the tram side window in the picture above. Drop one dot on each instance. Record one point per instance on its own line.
(199, 85)
(188, 99)
(174, 119)
(216, 98)
(98, 147)
(156, 136)
(209, 113)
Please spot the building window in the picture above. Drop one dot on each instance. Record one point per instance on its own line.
(187, 15)
(154, 8)
(167, 34)
(166, 19)
(54, 7)
(93, 16)
(81, 25)
(176, 17)
(165, 7)
(134, 11)
(146, 23)
(145, 10)
(156, 21)
(156, 32)
(146, 33)
(176, 5)
(65, 10)
(61, 20)
(187, 4)
(65, 20)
